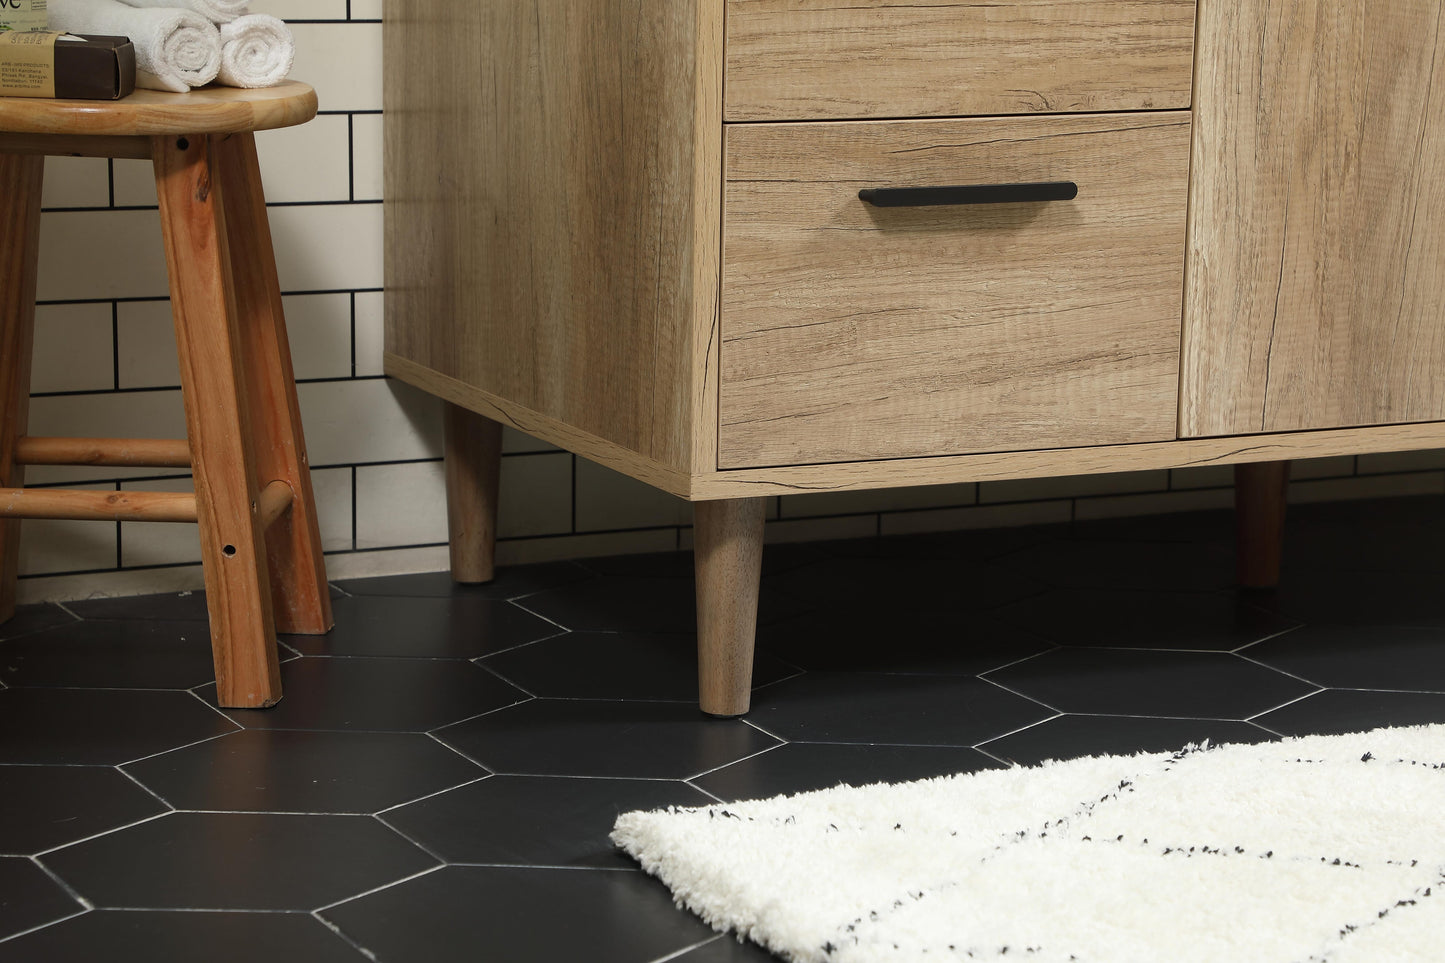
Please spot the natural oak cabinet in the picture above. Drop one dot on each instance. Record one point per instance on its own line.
(654, 232)
(1317, 245)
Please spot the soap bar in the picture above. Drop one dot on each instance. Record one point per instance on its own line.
(66, 66)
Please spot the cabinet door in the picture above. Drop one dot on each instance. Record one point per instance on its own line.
(1316, 270)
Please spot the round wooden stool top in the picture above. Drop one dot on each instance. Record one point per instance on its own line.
(149, 113)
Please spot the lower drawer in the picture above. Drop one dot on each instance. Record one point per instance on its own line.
(852, 332)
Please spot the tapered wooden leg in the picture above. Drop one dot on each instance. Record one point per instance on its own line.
(20, 182)
(473, 467)
(300, 597)
(1260, 493)
(728, 550)
(213, 387)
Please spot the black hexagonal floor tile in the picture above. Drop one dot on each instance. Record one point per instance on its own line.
(605, 916)
(42, 807)
(173, 937)
(188, 606)
(888, 638)
(802, 767)
(776, 559)
(912, 710)
(34, 618)
(978, 545)
(173, 606)
(928, 585)
(1074, 736)
(112, 654)
(616, 665)
(267, 770)
(1336, 711)
(641, 740)
(1213, 527)
(535, 820)
(512, 581)
(1196, 685)
(29, 898)
(726, 949)
(257, 861)
(1392, 534)
(455, 627)
(1364, 657)
(1126, 565)
(626, 604)
(638, 604)
(100, 727)
(1220, 621)
(379, 695)
(1370, 598)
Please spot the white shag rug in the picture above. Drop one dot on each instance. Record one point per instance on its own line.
(1323, 849)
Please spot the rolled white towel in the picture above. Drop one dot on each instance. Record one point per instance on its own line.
(257, 50)
(174, 49)
(217, 11)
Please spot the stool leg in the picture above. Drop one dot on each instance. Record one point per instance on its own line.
(20, 182)
(473, 467)
(233, 546)
(300, 597)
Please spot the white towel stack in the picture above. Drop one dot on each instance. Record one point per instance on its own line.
(181, 44)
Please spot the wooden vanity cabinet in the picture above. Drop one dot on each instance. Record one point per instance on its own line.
(638, 230)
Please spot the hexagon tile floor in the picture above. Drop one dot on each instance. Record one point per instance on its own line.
(439, 782)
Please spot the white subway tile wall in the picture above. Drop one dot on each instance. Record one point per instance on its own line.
(105, 365)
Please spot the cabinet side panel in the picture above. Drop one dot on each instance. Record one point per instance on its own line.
(1315, 297)
(542, 208)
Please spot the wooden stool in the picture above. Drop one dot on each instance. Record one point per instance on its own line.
(260, 546)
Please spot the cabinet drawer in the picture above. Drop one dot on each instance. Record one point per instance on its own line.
(788, 60)
(852, 332)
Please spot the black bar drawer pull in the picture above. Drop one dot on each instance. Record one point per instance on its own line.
(969, 194)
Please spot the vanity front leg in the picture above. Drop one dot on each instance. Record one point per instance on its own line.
(1260, 492)
(728, 554)
(473, 471)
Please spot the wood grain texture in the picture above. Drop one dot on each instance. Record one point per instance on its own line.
(825, 60)
(473, 478)
(953, 469)
(123, 452)
(98, 145)
(852, 332)
(551, 220)
(538, 425)
(728, 555)
(21, 180)
(1315, 295)
(300, 596)
(206, 110)
(86, 505)
(218, 421)
(939, 470)
(1261, 492)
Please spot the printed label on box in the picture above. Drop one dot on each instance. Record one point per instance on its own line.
(27, 64)
(23, 15)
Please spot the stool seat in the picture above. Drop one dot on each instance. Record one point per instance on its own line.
(148, 113)
(260, 543)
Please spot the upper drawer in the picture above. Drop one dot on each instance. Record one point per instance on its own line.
(811, 60)
(852, 332)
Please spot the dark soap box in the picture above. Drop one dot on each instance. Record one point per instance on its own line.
(94, 68)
